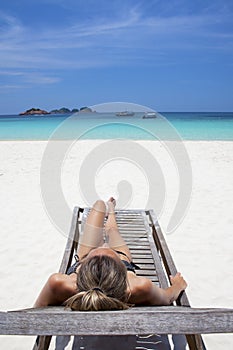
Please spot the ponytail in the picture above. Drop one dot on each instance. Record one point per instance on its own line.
(94, 300)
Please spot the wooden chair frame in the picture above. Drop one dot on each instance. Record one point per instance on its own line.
(176, 319)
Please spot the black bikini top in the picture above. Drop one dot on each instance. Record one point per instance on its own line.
(130, 266)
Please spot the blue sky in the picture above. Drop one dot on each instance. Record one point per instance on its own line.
(168, 55)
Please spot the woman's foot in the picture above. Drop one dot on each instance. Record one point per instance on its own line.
(111, 203)
(111, 220)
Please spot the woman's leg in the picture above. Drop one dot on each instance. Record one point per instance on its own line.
(113, 236)
(92, 235)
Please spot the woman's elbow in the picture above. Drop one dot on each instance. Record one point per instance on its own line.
(167, 301)
(159, 296)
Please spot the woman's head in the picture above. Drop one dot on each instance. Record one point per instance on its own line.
(102, 283)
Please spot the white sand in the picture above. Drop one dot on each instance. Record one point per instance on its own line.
(31, 246)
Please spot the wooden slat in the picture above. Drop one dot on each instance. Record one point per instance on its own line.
(140, 256)
(141, 242)
(131, 229)
(121, 220)
(135, 235)
(139, 260)
(161, 320)
(146, 252)
(133, 232)
(137, 246)
(130, 212)
(144, 272)
(130, 224)
(147, 267)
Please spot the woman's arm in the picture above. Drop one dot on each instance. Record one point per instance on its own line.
(147, 293)
(56, 290)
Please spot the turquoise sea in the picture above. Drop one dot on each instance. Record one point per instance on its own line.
(167, 125)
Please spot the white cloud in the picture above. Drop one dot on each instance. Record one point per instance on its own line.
(132, 37)
(10, 73)
(10, 27)
(40, 79)
(6, 87)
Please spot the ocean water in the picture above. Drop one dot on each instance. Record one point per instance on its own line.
(167, 126)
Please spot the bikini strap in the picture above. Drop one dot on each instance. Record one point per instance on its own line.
(122, 253)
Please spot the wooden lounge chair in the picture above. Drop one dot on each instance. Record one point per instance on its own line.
(122, 329)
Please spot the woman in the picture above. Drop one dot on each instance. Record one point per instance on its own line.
(104, 276)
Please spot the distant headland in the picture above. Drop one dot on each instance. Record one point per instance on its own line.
(63, 110)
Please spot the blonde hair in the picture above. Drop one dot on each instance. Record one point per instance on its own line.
(102, 283)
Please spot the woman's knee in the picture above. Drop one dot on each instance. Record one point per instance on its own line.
(100, 206)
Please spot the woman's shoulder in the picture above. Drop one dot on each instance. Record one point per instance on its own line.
(139, 288)
(62, 283)
(57, 289)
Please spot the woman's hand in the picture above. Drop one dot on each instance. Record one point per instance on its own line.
(178, 281)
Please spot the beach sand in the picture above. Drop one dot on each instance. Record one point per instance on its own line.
(31, 246)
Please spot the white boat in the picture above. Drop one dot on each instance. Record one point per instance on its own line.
(125, 114)
(149, 115)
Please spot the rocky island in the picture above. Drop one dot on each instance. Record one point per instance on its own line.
(33, 111)
(86, 110)
(63, 110)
